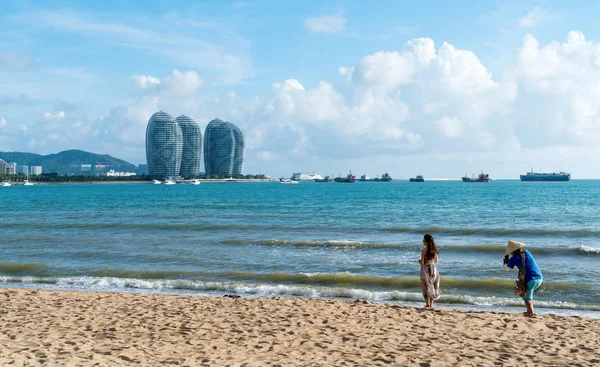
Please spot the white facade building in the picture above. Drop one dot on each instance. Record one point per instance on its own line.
(112, 173)
(23, 169)
(35, 170)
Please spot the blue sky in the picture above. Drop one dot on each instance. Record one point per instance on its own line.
(438, 88)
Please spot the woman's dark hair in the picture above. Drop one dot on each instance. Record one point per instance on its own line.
(516, 252)
(432, 249)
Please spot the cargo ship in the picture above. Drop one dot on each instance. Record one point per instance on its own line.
(384, 178)
(554, 176)
(324, 179)
(483, 177)
(419, 178)
(348, 179)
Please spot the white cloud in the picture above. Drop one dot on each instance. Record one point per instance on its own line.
(450, 126)
(560, 90)
(183, 83)
(346, 72)
(2, 122)
(433, 107)
(173, 37)
(461, 71)
(326, 24)
(423, 49)
(179, 83)
(54, 116)
(385, 70)
(533, 17)
(145, 81)
(265, 155)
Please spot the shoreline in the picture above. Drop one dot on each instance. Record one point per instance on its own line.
(141, 182)
(516, 308)
(93, 328)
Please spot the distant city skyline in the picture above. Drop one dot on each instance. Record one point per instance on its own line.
(174, 147)
(432, 88)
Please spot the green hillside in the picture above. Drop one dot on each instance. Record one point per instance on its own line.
(64, 162)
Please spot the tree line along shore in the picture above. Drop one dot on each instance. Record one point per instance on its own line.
(56, 178)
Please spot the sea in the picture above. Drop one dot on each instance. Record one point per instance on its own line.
(320, 240)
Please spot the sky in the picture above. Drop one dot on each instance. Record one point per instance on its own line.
(435, 88)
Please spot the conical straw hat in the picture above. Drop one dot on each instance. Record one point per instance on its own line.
(513, 246)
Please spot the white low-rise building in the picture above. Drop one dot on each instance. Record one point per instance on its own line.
(112, 173)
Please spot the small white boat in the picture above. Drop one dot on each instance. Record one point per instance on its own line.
(6, 184)
(169, 182)
(156, 182)
(195, 182)
(27, 182)
(287, 181)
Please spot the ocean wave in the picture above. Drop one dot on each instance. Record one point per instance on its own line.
(589, 249)
(338, 280)
(305, 243)
(17, 268)
(497, 231)
(207, 226)
(484, 248)
(162, 226)
(272, 290)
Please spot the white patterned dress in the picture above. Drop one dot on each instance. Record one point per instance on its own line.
(430, 280)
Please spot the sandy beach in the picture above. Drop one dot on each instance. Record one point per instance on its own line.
(70, 328)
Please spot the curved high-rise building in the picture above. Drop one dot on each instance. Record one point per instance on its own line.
(164, 145)
(219, 148)
(238, 157)
(192, 147)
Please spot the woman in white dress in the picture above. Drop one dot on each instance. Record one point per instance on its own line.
(430, 278)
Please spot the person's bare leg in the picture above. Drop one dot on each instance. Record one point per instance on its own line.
(529, 305)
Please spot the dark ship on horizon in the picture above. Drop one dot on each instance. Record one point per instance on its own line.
(384, 178)
(483, 177)
(324, 179)
(419, 178)
(348, 179)
(554, 176)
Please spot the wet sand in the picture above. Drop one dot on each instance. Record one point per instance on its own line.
(70, 328)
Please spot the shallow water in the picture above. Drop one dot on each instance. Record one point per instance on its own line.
(312, 239)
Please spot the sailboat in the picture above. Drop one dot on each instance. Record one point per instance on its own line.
(27, 182)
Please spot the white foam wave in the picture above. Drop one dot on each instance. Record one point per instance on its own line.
(343, 242)
(589, 249)
(267, 290)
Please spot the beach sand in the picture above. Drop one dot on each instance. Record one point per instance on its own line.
(70, 328)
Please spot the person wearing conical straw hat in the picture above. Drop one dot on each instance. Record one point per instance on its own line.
(533, 275)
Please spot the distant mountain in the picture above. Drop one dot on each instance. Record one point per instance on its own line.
(69, 162)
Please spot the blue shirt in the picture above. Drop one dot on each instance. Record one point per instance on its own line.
(533, 271)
